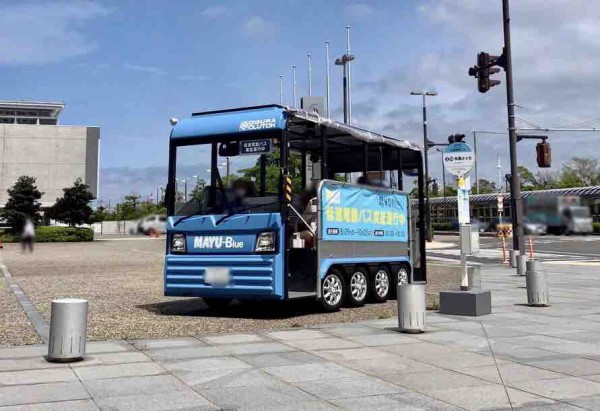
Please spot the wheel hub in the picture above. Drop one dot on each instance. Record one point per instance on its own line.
(358, 286)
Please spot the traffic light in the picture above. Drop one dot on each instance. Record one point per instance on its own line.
(544, 154)
(484, 62)
(485, 68)
(456, 138)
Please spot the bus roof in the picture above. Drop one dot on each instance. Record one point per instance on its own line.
(269, 118)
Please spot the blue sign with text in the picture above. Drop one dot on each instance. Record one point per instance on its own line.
(351, 213)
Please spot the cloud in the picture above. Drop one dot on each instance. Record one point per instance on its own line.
(358, 11)
(145, 69)
(258, 28)
(555, 58)
(213, 12)
(33, 32)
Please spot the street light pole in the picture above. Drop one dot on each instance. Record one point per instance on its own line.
(515, 186)
(344, 62)
(476, 160)
(348, 75)
(294, 86)
(309, 76)
(281, 90)
(327, 78)
(424, 94)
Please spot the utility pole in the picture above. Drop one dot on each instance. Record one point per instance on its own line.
(327, 78)
(476, 160)
(281, 90)
(294, 86)
(515, 186)
(309, 76)
(426, 146)
(348, 74)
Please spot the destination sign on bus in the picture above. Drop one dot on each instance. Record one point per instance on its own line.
(255, 147)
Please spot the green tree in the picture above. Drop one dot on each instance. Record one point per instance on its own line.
(100, 214)
(527, 179)
(272, 173)
(23, 202)
(73, 207)
(128, 209)
(580, 172)
(486, 186)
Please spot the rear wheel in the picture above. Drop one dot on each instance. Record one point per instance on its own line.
(381, 284)
(217, 303)
(332, 289)
(358, 287)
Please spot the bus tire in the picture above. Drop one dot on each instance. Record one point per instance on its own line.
(381, 284)
(333, 291)
(217, 303)
(357, 287)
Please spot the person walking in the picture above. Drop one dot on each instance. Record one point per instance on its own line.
(28, 236)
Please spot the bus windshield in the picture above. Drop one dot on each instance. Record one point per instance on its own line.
(247, 182)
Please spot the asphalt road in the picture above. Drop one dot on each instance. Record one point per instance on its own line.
(555, 248)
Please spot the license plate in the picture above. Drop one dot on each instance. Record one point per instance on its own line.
(217, 276)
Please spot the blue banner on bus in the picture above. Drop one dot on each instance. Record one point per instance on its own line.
(351, 213)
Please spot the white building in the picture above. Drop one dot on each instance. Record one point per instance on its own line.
(33, 143)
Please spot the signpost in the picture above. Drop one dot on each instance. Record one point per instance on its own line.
(458, 159)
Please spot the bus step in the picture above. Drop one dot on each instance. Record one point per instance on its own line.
(292, 295)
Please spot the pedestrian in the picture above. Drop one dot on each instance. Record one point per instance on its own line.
(28, 235)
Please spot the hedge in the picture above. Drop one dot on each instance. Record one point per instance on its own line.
(597, 228)
(49, 234)
(443, 227)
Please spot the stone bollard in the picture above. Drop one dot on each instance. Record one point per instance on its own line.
(537, 289)
(68, 324)
(411, 308)
(512, 258)
(521, 260)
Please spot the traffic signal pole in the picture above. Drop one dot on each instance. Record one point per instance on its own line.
(515, 186)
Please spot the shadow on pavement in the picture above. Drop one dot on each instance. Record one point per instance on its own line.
(259, 310)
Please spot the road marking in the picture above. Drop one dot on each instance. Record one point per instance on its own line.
(37, 320)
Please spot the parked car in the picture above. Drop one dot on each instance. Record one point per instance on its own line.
(534, 227)
(152, 224)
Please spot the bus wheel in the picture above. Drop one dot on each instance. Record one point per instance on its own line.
(403, 275)
(381, 284)
(358, 287)
(217, 303)
(332, 289)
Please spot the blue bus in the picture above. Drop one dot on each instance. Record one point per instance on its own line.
(275, 219)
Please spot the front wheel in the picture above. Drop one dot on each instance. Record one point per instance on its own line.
(358, 286)
(381, 285)
(332, 290)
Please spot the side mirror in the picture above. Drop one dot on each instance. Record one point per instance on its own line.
(229, 149)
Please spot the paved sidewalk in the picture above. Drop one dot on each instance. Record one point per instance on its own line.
(543, 359)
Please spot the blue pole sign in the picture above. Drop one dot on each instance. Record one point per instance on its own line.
(458, 158)
(350, 213)
(255, 147)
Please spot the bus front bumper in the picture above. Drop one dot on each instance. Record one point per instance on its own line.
(250, 276)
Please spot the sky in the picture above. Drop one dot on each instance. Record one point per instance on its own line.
(129, 66)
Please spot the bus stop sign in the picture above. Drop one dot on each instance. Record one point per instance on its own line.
(458, 158)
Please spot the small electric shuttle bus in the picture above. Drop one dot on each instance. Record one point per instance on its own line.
(276, 218)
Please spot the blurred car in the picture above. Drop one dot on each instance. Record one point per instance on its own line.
(152, 224)
(481, 226)
(534, 227)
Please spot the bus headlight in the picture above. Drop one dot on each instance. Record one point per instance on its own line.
(178, 243)
(265, 242)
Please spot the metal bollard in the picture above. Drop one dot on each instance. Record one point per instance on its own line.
(537, 289)
(512, 258)
(521, 260)
(411, 308)
(68, 325)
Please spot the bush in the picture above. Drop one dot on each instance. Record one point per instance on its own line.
(443, 227)
(48, 234)
(597, 228)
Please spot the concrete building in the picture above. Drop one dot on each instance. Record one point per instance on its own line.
(33, 143)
